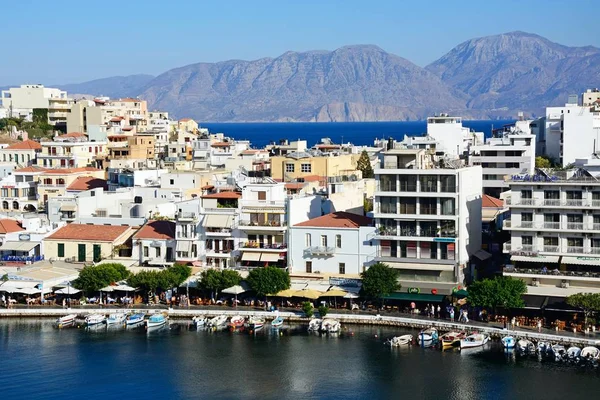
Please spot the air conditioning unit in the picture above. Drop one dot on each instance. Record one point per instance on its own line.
(564, 284)
(535, 282)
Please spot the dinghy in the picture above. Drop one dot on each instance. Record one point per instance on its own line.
(428, 337)
(452, 339)
(508, 342)
(218, 321)
(156, 321)
(330, 325)
(135, 319)
(277, 322)
(526, 346)
(116, 319)
(66, 320)
(256, 322)
(398, 341)
(199, 322)
(590, 353)
(94, 319)
(573, 353)
(558, 351)
(474, 340)
(237, 321)
(315, 325)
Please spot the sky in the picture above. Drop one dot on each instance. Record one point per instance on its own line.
(65, 41)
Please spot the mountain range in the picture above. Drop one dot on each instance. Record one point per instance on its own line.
(489, 77)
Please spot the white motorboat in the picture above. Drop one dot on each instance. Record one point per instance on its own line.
(135, 319)
(199, 321)
(508, 342)
(543, 348)
(255, 322)
(428, 337)
(559, 351)
(218, 321)
(95, 319)
(66, 320)
(526, 346)
(590, 353)
(398, 341)
(156, 321)
(315, 325)
(474, 340)
(116, 319)
(573, 353)
(330, 325)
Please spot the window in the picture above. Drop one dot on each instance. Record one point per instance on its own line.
(447, 205)
(61, 249)
(428, 183)
(146, 251)
(388, 205)
(172, 181)
(324, 240)
(307, 239)
(157, 252)
(338, 241)
(305, 168)
(527, 240)
(309, 267)
(342, 268)
(289, 167)
(262, 195)
(194, 250)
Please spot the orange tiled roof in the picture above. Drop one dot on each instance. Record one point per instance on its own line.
(73, 135)
(207, 187)
(327, 146)
(25, 145)
(185, 120)
(223, 195)
(249, 152)
(10, 225)
(339, 219)
(31, 168)
(312, 178)
(221, 144)
(491, 202)
(294, 185)
(60, 171)
(96, 233)
(86, 183)
(157, 230)
(117, 119)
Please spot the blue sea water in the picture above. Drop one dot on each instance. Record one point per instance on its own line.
(358, 133)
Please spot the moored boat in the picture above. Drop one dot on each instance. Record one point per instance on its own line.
(315, 325)
(452, 339)
(237, 321)
(398, 341)
(474, 340)
(135, 319)
(218, 321)
(558, 351)
(199, 322)
(543, 348)
(156, 321)
(331, 325)
(573, 353)
(428, 337)
(94, 319)
(526, 346)
(66, 320)
(508, 342)
(256, 322)
(277, 322)
(116, 319)
(590, 353)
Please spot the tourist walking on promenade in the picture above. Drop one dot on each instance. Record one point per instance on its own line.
(452, 314)
(512, 322)
(439, 311)
(539, 325)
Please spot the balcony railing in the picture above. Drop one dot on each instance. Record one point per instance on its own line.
(573, 203)
(594, 250)
(575, 226)
(262, 223)
(551, 225)
(575, 249)
(551, 249)
(268, 246)
(551, 202)
(187, 216)
(320, 250)
(554, 272)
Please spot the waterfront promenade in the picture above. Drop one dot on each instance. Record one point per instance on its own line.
(348, 317)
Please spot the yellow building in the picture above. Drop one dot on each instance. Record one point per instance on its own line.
(300, 164)
(134, 147)
(54, 182)
(70, 150)
(87, 242)
(188, 125)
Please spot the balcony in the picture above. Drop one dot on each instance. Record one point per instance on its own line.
(550, 249)
(551, 202)
(262, 225)
(220, 232)
(320, 251)
(221, 253)
(551, 225)
(520, 202)
(549, 274)
(507, 247)
(275, 247)
(575, 249)
(573, 203)
(262, 204)
(187, 216)
(575, 226)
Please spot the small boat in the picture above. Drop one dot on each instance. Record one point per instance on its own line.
(199, 322)
(315, 325)
(218, 321)
(135, 319)
(398, 341)
(590, 353)
(526, 346)
(474, 340)
(66, 320)
(558, 351)
(543, 348)
(116, 319)
(427, 337)
(237, 321)
(256, 322)
(156, 320)
(277, 322)
(573, 353)
(508, 342)
(331, 325)
(452, 339)
(94, 319)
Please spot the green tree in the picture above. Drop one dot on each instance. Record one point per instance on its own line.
(214, 280)
(364, 164)
(268, 280)
(588, 302)
(542, 162)
(94, 278)
(503, 291)
(379, 281)
(180, 273)
(323, 310)
(308, 309)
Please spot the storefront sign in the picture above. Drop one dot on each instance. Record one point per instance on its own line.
(24, 237)
(444, 239)
(526, 254)
(345, 282)
(588, 259)
(413, 290)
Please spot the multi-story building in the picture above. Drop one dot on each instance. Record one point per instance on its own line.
(187, 125)
(32, 97)
(555, 231)
(590, 97)
(510, 151)
(450, 135)
(136, 147)
(18, 192)
(187, 232)
(116, 115)
(297, 165)
(54, 182)
(428, 219)
(220, 214)
(22, 154)
(154, 243)
(70, 150)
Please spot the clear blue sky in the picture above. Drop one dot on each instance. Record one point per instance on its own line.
(69, 41)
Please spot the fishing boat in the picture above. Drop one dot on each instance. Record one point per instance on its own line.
(398, 341)
(508, 342)
(573, 353)
(94, 319)
(199, 322)
(156, 321)
(66, 320)
(452, 339)
(218, 321)
(237, 321)
(315, 325)
(428, 337)
(277, 322)
(331, 325)
(474, 340)
(135, 319)
(544, 348)
(116, 319)
(558, 351)
(590, 353)
(256, 322)
(526, 346)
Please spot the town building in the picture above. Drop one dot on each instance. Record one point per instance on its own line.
(427, 218)
(297, 165)
(22, 154)
(154, 244)
(30, 97)
(187, 125)
(70, 150)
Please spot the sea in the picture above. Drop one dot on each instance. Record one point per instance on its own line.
(38, 361)
(358, 133)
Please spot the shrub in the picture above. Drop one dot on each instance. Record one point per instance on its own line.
(308, 309)
(323, 310)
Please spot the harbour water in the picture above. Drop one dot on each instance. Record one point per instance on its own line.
(40, 361)
(358, 133)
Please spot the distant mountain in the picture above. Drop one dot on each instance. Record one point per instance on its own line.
(354, 83)
(518, 70)
(115, 86)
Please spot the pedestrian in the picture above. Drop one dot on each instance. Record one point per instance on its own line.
(539, 325)
(3, 300)
(513, 321)
(427, 310)
(439, 311)
(466, 317)
(452, 314)
(8, 304)
(64, 303)
(412, 307)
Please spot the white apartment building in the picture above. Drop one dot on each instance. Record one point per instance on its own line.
(428, 219)
(511, 151)
(187, 231)
(218, 232)
(450, 135)
(335, 244)
(71, 150)
(555, 232)
(29, 97)
(154, 244)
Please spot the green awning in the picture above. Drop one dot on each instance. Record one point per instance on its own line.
(461, 293)
(433, 298)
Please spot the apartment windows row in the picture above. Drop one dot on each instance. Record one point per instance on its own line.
(506, 153)
(412, 183)
(553, 220)
(413, 205)
(157, 252)
(309, 268)
(15, 192)
(16, 158)
(417, 250)
(564, 244)
(187, 231)
(193, 253)
(391, 227)
(322, 241)
(304, 167)
(500, 165)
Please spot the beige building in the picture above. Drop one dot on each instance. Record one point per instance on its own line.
(188, 125)
(54, 182)
(136, 147)
(31, 97)
(88, 243)
(295, 165)
(70, 150)
(21, 153)
(116, 115)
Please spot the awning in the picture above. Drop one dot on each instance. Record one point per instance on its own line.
(67, 291)
(539, 259)
(68, 207)
(250, 256)
(269, 257)
(581, 261)
(424, 267)
(489, 214)
(19, 286)
(534, 302)
(482, 255)
(559, 304)
(434, 298)
(217, 221)
(19, 246)
(184, 245)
